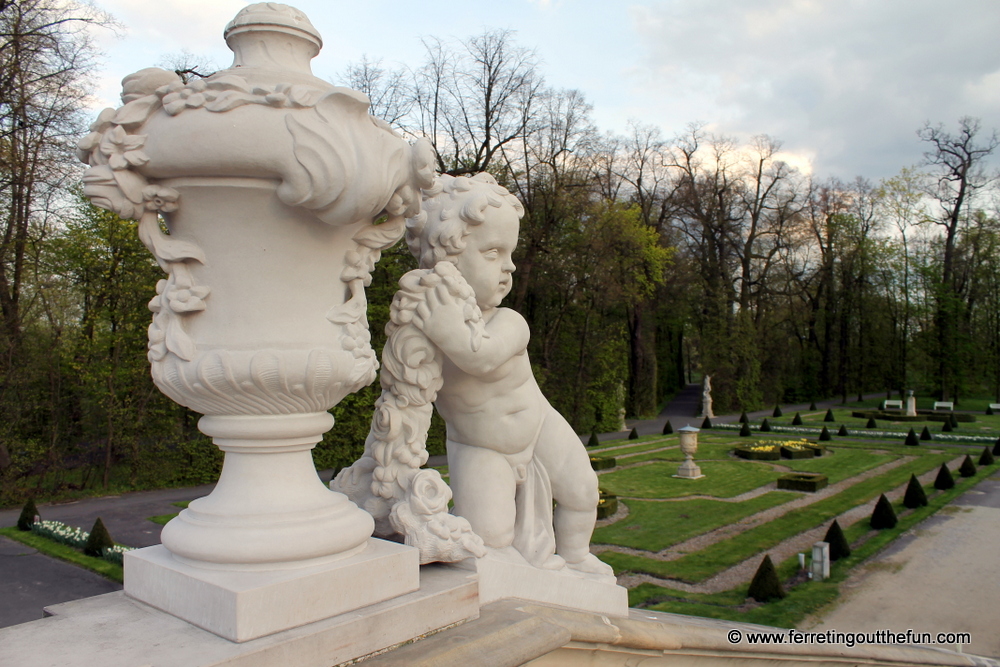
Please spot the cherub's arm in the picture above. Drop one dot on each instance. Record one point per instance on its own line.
(442, 318)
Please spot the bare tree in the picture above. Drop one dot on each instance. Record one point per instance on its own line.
(389, 90)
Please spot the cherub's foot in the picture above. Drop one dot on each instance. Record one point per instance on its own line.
(591, 564)
(553, 562)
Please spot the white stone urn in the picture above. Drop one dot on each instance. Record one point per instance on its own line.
(256, 189)
(689, 447)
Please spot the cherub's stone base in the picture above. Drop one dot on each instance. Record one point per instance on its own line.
(502, 577)
(241, 605)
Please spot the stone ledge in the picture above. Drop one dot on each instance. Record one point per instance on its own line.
(649, 638)
(113, 630)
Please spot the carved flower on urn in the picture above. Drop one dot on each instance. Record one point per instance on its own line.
(428, 493)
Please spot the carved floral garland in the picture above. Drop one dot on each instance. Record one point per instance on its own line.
(388, 481)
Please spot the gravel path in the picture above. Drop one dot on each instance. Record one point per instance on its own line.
(743, 572)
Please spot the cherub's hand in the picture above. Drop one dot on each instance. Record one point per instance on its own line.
(442, 317)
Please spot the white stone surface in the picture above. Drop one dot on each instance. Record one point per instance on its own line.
(510, 453)
(911, 406)
(706, 398)
(241, 606)
(501, 577)
(115, 631)
(820, 561)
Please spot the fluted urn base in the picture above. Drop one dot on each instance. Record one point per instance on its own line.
(269, 509)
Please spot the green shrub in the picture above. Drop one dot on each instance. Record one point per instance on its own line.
(797, 420)
(28, 514)
(668, 428)
(871, 423)
(883, 516)
(996, 447)
(602, 462)
(915, 496)
(954, 420)
(911, 438)
(843, 431)
(607, 505)
(745, 430)
(766, 585)
(707, 423)
(593, 442)
(839, 548)
(803, 481)
(829, 415)
(989, 409)
(765, 427)
(812, 406)
(824, 435)
(633, 434)
(926, 434)
(777, 411)
(99, 540)
(968, 468)
(986, 458)
(743, 418)
(947, 427)
(944, 480)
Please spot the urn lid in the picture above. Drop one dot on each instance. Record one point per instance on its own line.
(688, 429)
(273, 16)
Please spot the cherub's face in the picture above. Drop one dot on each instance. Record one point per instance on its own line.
(486, 261)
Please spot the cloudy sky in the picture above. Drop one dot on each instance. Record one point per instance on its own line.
(844, 84)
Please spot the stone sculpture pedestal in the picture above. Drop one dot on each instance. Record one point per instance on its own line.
(689, 446)
(911, 406)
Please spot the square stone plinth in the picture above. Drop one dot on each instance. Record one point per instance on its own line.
(113, 630)
(499, 578)
(241, 605)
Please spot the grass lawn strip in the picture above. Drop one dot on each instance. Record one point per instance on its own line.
(804, 599)
(722, 479)
(65, 553)
(656, 526)
(631, 446)
(705, 563)
(840, 464)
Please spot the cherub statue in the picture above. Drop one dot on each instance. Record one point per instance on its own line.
(510, 453)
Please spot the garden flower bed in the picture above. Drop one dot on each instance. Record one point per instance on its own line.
(76, 538)
(797, 449)
(607, 505)
(602, 462)
(762, 451)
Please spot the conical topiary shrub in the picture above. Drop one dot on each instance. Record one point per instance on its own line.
(766, 585)
(947, 426)
(593, 442)
(633, 435)
(839, 548)
(986, 458)
(829, 415)
(883, 516)
(765, 426)
(668, 428)
(824, 435)
(915, 496)
(743, 418)
(797, 420)
(28, 514)
(871, 423)
(777, 411)
(99, 540)
(745, 430)
(989, 409)
(911, 438)
(843, 431)
(944, 480)
(996, 447)
(707, 423)
(926, 434)
(954, 421)
(812, 406)
(968, 468)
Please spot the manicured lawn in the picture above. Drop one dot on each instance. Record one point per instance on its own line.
(64, 552)
(654, 526)
(623, 449)
(723, 479)
(714, 448)
(163, 519)
(703, 564)
(839, 463)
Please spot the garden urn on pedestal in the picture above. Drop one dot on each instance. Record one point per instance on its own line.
(689, 447)
(256, 189)
(911, 404)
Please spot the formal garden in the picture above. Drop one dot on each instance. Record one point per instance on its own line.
(693, 546)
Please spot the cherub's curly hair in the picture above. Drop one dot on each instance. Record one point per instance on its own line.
(449, 206)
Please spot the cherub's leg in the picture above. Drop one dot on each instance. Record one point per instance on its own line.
(574, 487)
(483, 488)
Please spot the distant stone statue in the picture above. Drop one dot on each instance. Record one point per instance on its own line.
(706, 397)
(510, 453)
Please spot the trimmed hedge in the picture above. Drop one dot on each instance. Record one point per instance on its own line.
(911, 439)
(28, 514)
(668, 428)
(883, 516)
(633, 435)
(944, 480)
(745, 430)
(803, 481)
(915, 496)
(839, 548)
(824, 435)
(986, 458)
(593, 441)
(777, 411)
(707, 423)
(766, 585)
(99, 540)
(770, 454)
(607, 505)
(968, 468)
(797, 420)
(765, 427)
(921, 416)
(829, 415)
(602, 462)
